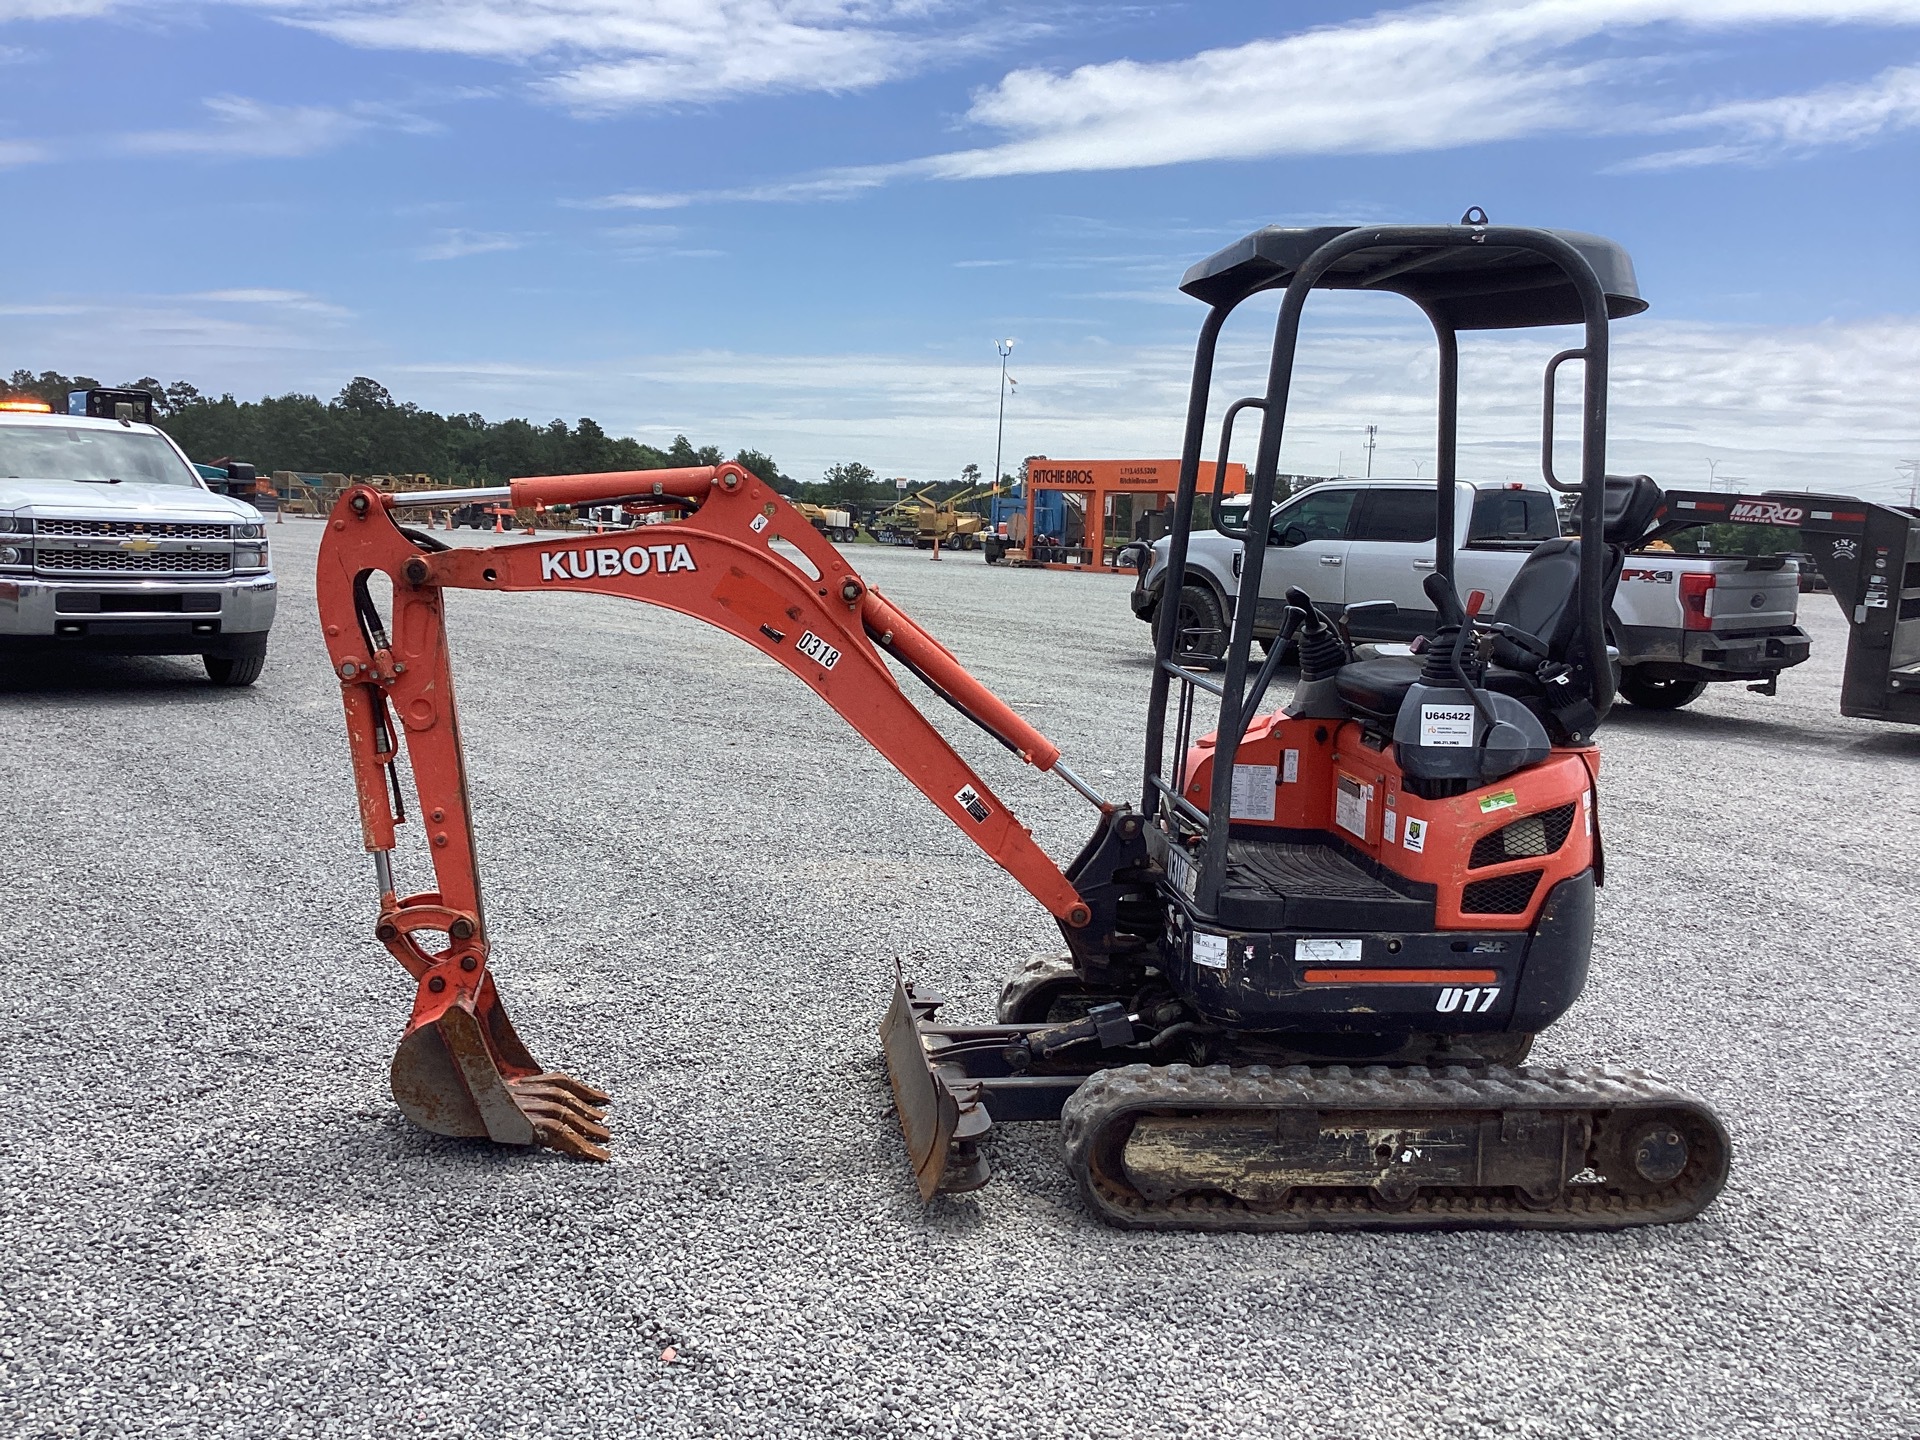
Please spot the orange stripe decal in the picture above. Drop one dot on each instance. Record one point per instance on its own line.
(1400, 977)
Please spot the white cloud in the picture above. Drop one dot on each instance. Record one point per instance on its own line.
(1794, 124)
(248, 348)
(54, 9)
(22, 152)
(1429, 77)
(620, 54)
(1432, 77)
(253, 129)
(283, 299)
(840, 184)
(458, 244)
(1765, 401)
(1830, 407)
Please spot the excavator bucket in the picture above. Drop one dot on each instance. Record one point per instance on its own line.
(461, 1070)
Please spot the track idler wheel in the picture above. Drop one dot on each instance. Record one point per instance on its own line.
(462, 1071)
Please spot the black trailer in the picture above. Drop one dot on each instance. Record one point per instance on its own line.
(1869, 555)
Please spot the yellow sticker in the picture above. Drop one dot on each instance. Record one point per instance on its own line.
(1500, 800)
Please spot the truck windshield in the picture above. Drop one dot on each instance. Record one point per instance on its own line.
(62, 452)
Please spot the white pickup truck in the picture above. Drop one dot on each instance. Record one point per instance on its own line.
(110, 541)
(1679, 621)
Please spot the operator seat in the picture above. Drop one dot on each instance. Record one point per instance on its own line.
(1542, 601)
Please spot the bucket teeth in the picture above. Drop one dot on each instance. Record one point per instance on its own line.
(565, 1114)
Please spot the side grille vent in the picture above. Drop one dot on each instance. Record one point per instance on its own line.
(1502, 895)
(1528, 838)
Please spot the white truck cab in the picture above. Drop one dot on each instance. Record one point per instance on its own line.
(111, 542)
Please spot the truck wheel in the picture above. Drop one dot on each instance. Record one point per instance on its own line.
(1203, 626)
(234, 670)
(1651, 694)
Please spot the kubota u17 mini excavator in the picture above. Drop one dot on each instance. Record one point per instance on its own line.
(1302, 973)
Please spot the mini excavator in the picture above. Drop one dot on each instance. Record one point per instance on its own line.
(1303, 973)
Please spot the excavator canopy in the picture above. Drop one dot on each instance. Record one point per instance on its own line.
(1477, 287)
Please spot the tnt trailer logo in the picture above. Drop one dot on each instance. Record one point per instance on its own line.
(608, 560)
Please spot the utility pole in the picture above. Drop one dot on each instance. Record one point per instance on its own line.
(1005, 348)
(1372, 432)
(1912, 467)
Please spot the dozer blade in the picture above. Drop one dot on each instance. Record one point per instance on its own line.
(941, 1132)
(461, 1070)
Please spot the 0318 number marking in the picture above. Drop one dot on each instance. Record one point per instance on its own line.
(817, 650)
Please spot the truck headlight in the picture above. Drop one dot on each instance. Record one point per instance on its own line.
(8, 524)
(248, 532)
(250, 555)
(15, 555)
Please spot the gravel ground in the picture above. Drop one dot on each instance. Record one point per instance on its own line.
(700, 881)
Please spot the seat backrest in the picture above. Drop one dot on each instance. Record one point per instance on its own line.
(1543, 598)
(1542, 601)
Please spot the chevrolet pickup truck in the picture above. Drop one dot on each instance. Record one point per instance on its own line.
(1679, 621)
(111, 541)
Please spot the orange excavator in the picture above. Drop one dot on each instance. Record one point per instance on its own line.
(1302, 971)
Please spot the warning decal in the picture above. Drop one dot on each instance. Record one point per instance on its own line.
(1351, 801)
(1253, 787)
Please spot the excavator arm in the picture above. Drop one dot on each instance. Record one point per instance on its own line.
(738, 557)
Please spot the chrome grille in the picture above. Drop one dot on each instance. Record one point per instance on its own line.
(157, 531)
(154, 562)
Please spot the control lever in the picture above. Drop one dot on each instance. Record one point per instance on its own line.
(1446, 600)
(1312, 621)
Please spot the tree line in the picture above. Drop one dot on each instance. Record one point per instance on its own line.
(364, 430)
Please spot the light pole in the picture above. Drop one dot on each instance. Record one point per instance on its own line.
(1372, 432)
(1005, 348)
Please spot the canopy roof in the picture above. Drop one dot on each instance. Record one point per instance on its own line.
(1483, 286)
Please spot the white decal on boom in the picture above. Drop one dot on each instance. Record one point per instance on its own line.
(610, 560)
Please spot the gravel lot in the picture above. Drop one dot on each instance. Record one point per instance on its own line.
(700, 880)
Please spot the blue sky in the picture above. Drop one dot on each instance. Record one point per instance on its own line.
(799, 225)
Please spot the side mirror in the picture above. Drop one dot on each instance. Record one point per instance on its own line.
(1291, 536)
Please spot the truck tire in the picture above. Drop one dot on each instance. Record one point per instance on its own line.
(1203, 624)
(235, 670)
(1649, 693)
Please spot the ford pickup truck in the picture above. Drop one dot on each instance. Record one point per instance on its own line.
(1679, 621)
(111, 541)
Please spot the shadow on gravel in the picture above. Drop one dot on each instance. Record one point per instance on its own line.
(31, 673)
(1895, 744)
(1692, 725)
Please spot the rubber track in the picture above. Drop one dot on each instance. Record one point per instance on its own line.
(1100, 1109)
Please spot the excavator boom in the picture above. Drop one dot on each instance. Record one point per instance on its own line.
(738, 557)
